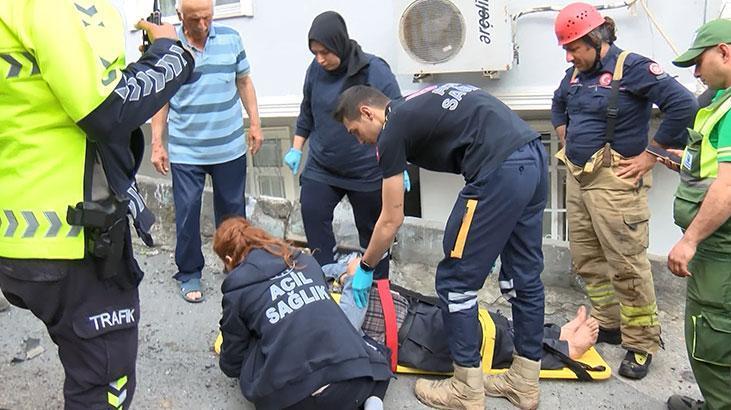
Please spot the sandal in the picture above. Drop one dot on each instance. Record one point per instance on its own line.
(190, 286)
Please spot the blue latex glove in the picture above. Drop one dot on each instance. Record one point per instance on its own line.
(292, 159)
(407, 181)
(362, 281)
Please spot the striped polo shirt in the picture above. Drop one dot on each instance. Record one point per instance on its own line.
(205, 122)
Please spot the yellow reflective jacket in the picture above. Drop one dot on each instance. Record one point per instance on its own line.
(59, 60)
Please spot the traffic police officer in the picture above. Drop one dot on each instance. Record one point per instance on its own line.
(68, 155)
(460, 129)
(601, 112)
(703, 254)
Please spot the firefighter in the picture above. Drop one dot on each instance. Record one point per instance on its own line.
(601, 112)
(69, 149)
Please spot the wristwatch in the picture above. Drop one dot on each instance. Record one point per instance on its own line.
(365, 266)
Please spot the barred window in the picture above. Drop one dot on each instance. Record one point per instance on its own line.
(555, 223)
(266, 173)
(223, 8)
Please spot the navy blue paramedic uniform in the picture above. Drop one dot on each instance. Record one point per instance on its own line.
(461, 129)
(337, 165)
(285, 338)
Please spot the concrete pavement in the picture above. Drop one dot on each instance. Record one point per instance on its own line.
(178, 370)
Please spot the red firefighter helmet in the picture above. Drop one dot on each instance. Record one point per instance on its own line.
(575, 21)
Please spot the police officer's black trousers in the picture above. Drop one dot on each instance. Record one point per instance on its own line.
(93, 322)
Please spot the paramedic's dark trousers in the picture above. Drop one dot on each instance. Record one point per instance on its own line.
(344, 395)
(93, 322)
(318, 204)
(229, 184)
(500, 213)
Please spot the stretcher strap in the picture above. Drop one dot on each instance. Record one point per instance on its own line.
(389, 317)
(580, 369)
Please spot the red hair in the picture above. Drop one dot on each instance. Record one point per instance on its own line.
(236, 237)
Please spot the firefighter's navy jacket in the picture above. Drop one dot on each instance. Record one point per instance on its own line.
(581, 104)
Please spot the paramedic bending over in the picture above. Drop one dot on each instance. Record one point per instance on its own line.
(460, 129)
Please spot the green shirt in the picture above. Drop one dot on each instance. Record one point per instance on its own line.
(720, 137)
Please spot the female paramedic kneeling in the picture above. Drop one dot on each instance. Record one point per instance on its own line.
(278, 316)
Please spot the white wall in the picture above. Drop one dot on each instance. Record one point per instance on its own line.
(275, 39)
(663, 232)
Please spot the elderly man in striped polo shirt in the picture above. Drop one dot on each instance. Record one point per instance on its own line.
(206, 135)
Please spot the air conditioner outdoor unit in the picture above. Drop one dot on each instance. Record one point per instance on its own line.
(451, 36)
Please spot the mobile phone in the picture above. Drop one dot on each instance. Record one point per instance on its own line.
(663, 153)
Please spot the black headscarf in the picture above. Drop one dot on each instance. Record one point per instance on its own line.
(329, 30)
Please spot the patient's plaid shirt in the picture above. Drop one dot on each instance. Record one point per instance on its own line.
(373, 324)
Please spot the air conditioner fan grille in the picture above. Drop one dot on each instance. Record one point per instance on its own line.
(432, 31)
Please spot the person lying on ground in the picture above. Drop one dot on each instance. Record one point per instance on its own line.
(571, 340)
(283, 337)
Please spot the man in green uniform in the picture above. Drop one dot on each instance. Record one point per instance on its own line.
(69, 149)
(702, 210)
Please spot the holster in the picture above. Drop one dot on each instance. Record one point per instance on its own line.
(105, 224)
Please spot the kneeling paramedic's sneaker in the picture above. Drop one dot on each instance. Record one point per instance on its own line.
(635, 365)
(610, 336)
(680, 402)
(4, 304)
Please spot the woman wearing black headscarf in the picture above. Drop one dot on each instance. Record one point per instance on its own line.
(337, 165)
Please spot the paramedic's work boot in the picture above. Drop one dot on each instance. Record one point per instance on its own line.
(462, 391)
(680, 402)
(4, 304)
(609, 336)
(635, 365)
(519, 384)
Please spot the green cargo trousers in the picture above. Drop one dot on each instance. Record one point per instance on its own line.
(708, 326)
